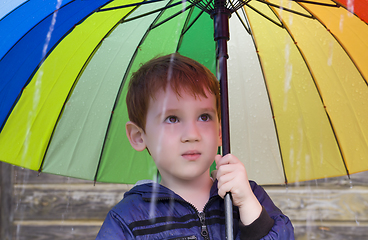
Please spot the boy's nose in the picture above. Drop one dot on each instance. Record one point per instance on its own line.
(191, 133)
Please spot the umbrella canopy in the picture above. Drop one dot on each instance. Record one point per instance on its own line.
(298, 90)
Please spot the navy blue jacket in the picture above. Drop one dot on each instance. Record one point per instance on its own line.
(151, 211)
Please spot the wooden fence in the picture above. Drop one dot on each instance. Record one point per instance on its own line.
(53, 207)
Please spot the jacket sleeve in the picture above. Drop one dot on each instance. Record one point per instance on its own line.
(258, 229)
(113, 228)
(282, 228)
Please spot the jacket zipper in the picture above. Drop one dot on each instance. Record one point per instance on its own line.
(202, 218)
(204, 231)
(201, 215)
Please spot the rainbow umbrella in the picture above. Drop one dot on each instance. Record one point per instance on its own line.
(297, 73)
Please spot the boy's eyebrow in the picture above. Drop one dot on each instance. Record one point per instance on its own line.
(176, 110)
(210, 110)
(166, 112)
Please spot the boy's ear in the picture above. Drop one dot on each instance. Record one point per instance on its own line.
(220, 136)
(135, 136)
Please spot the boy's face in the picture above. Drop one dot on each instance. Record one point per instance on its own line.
(182, 134)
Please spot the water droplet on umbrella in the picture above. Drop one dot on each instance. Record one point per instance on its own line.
(329, 61)
(341, 23)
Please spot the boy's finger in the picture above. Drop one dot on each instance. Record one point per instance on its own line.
(220, 161)
(222, 179)
(225, 188)
(227, 159)
(225, 169)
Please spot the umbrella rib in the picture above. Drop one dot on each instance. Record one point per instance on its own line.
(246, 20)
(192, 23)
(242, 22)
(208, 7)
(337, 141)
(128, 5)
(171, 17)
(152, 12)
(185, 28)
(286, 9)
(237, 6)
(317, 3)
(263, 15)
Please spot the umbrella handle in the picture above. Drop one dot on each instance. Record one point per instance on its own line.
(228, 216)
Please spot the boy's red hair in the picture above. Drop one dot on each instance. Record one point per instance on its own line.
(182, 73)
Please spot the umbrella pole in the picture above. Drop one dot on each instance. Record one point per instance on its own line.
(221, 17)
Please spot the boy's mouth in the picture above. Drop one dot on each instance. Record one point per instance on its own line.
(191, 155)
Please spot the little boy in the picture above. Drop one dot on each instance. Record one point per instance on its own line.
(174, 111)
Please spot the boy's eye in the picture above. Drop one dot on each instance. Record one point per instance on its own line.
(205, 117)
(171, 119)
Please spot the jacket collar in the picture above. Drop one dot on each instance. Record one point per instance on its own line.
(151, 190)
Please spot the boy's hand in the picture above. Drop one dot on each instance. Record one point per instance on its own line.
(232, 177)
